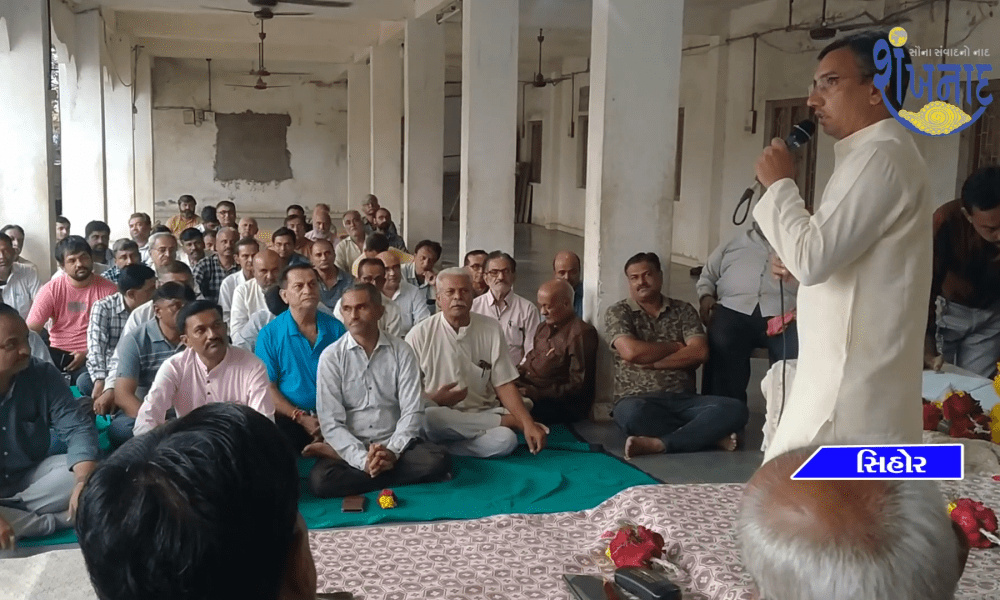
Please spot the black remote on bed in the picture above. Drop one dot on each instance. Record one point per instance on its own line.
(646, 584)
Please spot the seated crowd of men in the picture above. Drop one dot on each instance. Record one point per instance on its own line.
(366, 357)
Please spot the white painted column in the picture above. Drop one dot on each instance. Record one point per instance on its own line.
(634, 96)
(359, 135)
(81, 111)
(423, 156)
(489, 125)
(387, 133)
(118, 131)
(25, 154)
(143, 138)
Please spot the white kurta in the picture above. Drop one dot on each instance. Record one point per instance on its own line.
(864, 265)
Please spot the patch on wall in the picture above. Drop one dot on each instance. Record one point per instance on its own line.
(252, 147)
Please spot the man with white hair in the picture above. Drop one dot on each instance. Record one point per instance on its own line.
(248, 228)
(847, 540)
(473, 404)
(162, 251)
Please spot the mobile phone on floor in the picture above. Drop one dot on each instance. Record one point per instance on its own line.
(353, 504)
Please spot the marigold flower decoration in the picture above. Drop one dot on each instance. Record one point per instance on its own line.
(387, 499)
(978, 522)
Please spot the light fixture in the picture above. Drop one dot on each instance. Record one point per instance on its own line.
(453, 9)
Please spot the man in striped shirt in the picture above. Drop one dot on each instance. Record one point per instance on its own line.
(126, 252)
(107, 320)
(210, 271)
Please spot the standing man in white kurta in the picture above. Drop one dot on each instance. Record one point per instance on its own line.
(863, 262)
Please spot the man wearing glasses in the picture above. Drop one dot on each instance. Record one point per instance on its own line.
(518, 316)
(863, 261)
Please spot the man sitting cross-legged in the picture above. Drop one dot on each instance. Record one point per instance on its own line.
(372, 271)
(36, 489)
(370, 408)
(558, 374)
(138, 358)
(411, 301)
(136, 285)
(290, 347)
(188, 486)
(249, 297)
(209, 370)
(658, 342)
(468, 375)
(518, 317)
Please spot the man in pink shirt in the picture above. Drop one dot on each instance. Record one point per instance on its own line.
(208, 371)
(67, 300)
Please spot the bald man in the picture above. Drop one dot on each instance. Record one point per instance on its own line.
(847, 540)
(248, 298)
(567, 266)
(411, 300)
(558, 372)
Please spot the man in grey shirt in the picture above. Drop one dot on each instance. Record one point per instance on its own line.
(370, 408)
(738, 296)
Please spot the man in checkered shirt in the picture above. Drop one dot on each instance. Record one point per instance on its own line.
(212, 270)
(136, 285)
(126, 253)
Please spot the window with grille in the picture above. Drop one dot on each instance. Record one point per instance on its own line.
(781, 116)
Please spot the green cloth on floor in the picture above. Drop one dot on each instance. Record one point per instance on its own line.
(567, 476)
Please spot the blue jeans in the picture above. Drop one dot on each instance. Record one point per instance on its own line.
(120, 429)
(685, 422)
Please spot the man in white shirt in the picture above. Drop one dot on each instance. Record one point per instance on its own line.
(469, 381)
(249, 297)
(411, 301)
(518, 317)
(18, 283)
(139, 226)
(370, 408)
(246, 250)
(371, 270)
(863, 261)
(348, 250)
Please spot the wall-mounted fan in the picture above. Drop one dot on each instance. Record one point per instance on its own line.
(264, 8)
(539, 80)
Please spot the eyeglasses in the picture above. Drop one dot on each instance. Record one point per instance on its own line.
(498, 272)
(824, 84)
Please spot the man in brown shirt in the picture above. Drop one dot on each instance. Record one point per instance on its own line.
(558, 372)
(963, 324)
(658, 343)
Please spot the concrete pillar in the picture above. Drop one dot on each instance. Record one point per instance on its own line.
(143, 134)
(359, 135)
(423, 156)
(489, 125)
(26, 152)
(387, 123)
(634, 96)
(81, 112)
(118, 131)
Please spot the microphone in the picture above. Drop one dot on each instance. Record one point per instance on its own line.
(800, 136)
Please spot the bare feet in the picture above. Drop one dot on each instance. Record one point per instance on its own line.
(638, 445)
(320, 450)
(728, 443)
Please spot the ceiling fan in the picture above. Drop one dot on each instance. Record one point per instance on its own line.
(260, 85)
(826, 30)
(264, 8)
(539, 80)
(262, 71)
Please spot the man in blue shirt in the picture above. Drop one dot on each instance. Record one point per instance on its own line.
(290, 347)
(36, 489)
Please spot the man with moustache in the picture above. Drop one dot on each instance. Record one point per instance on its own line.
(211, 271)
(370, 408)
(332, 281)
(249, 297)
(126, 252)
(67, 301)
(518, 317)
(248, 228)
(18, 283)
(408, 297)
(186, 218)
(99, 237)
(139, 229)
(162, 251)
(209, 370)
(351, 247)
(385, 226)
(566, 266)
(475, 261)
(246, 250)
(371, 270)
(323, 227)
